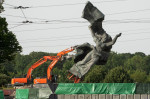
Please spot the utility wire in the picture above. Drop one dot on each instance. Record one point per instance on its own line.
(62, 27)
(37, 18)
(47, 46)
(72, 21)
(134, 40)
(70, 37)
(67, 4)
(23, 14)
(105, 22)
(9, 5)
(129, 12)
(75, 4)
(76, 44)
(87, 36)
(79, 17)
(64, 21)
(51, 28)
(15, 26)
(81, 37)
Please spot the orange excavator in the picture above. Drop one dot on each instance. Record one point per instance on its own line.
(55, 59)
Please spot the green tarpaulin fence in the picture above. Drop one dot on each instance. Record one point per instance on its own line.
(44, 93)
(96, 88)
(22, 93)
(142, 88)
(83, 88)
(34, 93)
(1, 94)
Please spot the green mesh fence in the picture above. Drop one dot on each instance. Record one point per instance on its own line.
(22, 93)
(96, 88)
(1, 94)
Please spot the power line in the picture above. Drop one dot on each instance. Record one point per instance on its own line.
(15, 26)
(134, 40)
(75, 4)
(9, 5)
(66, 27)
(114, 21)
(63, 38)
(105, 22)
(111, 22)
(47, 46)
(79, 17)
(76, 44)
(129, 12)
(59, 39)
(38, 18)
(66, 37)
(66, 4)
(51, 28)
(23, 14)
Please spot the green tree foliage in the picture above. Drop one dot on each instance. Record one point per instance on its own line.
(117, 59)
(146, 63)
(24, 62)
(140, 54)
(96, 74)
(138, 62)
(21, 62)
(4, 79)
(9, 44)
(139, 76)
(1, 7)
(135, 68)
(9, 47)
(118, 75)
(62, 77)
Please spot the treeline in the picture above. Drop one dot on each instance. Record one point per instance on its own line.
(120, 68)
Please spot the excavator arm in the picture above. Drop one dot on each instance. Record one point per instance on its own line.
(54, 59)
(50, 67)
(38, 63)
(58, 57)
(28, 77)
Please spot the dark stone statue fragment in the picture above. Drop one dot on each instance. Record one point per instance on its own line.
(87, 54)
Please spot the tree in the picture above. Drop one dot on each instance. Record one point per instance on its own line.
(140, 54)
(9, 44)
(64, 71)
(134, 63)
(139, 76)
(4, 79)
(96, 74)
(146, 66)
(118, 75)
(21, 62)
(115, 59)
(1, 7)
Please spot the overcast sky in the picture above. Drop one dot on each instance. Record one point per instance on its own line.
(57, 24)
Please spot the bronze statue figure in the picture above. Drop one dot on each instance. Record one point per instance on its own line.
(87, 54)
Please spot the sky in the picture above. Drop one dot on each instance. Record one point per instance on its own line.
(57, 24)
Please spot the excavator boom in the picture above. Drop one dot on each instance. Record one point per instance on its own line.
(50, 67)
(54, 59)
(28, 77)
